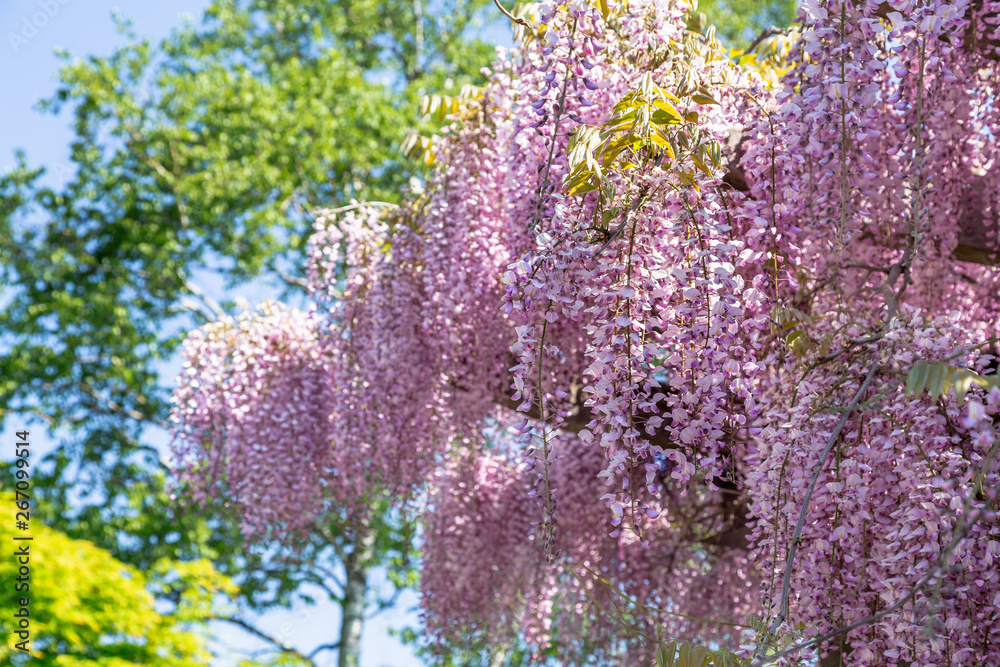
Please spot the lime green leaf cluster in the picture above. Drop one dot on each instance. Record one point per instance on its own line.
(280, 660)
(440, 110)
(792, 324)
(687, 654)
(88, 609)
(646, 126)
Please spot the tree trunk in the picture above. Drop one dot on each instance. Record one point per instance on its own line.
(356, 564)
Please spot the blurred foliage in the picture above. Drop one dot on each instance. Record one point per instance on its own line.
(284, 660)
(199, 158)
(87, 608)
(770, 55)
(739, 22)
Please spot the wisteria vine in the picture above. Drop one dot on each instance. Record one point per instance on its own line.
(647, 347)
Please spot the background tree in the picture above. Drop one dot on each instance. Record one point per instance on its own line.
(200, 157)
(740, 22)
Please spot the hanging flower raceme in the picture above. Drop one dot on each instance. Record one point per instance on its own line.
(482, 558)
(387, 411)
(251, 417)
(656, 272)
(888, 519)
(864, 490)
(478, 557)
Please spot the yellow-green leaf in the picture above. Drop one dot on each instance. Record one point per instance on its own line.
(699, 98)
(689, 180)
(665, 654)
(701, 165)
(692, 655)
(962, 381)
(669, 109)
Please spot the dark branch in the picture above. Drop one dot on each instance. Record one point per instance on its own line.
(793, 542)
(735, 536)
(282, 646)
(974, 225)
(325, 647)
(578, 416)
(513, 18)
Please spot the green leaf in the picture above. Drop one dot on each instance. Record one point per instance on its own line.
(715, 153)
(692, 655)
(917, 379)
(607, 215)
(938, 378)
(689, 180)
(647, 86)
(669, 110)
(962, 380)
(665, 655)
(663, 140)
(630, 101)
(608, 190)
(623, 122)
(582, 144)
(794, 340)
(579, 183)
(702, 167)
(660, 117)
(701, 98)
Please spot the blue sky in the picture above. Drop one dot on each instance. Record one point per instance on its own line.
(30, 31)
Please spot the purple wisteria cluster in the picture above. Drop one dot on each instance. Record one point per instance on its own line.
(656, 405)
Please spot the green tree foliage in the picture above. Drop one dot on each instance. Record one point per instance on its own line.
(88, 609)
(203, 155)
(739, 22)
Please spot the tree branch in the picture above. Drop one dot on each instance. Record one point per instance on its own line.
(208, 301)
(767, 32)
(113, 407)
(942, 561)
(577, 417)
(285, 648)
(735, 536)
(293, 281)
(513, 18)
(793, 542)
(385, 604)
(325, 647)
